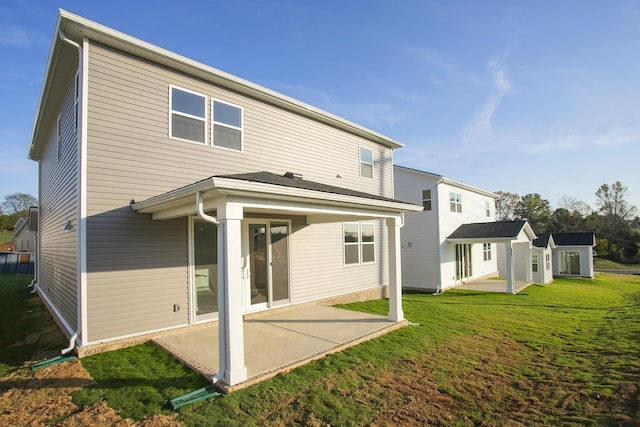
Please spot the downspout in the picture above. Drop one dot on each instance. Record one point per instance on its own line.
(74, 336)
(200, 210)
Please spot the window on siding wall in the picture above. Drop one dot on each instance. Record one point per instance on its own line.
(366, 162)
(455, 202)
(486, 251)
(359, 243)
(534, 263)
(487, 209)
(426, 200)
(227, 125)
(187, 120)
(547, 262)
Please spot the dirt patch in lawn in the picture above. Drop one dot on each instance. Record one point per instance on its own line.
(43, 397)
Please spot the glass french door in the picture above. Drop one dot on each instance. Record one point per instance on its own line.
(268, 263)
(204, 272)
(463, 261)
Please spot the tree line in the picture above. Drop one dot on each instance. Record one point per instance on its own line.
(15, 205)
(615, 221)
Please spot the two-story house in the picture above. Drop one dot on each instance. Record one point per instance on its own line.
(172, 194)
(456, 238)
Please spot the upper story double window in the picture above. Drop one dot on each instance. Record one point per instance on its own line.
(188, 119)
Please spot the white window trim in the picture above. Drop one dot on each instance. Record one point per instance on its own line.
(535, 260)
(547, 262)
(457, 201)
(487, 251)
(430, 199)
(171, 112)
(373, 169)
(59, 132)
(487, 209)
(214, 123)
(359, 244)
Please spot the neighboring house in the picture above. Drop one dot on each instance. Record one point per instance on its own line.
(431, 261)
(541, 264)
(25, 230)
(573, 254)
(163, 194)
(513, 241)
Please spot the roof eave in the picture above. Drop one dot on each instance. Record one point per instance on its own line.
(78, 27)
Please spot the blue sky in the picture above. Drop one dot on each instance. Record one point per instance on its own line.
(530, 96)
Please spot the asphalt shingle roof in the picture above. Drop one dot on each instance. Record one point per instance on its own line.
(574, 239)
(285, 181)
(488, 230)
(542, 241)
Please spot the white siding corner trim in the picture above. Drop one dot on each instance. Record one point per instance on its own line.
(82, 199)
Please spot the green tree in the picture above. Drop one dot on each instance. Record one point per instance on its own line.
(536, 210)
(506, 205)
(614, 224)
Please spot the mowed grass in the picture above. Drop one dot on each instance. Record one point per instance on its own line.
(560, 354)
(28, 332)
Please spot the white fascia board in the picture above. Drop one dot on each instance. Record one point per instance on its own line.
(467, 187)
(73, 23)
(482, 240)
(151, 205)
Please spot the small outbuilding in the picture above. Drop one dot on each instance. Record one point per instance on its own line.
(573, 254)
(541, 265)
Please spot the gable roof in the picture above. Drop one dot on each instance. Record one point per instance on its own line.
(487, 231)
(269, 186)
(63, 57)
(544, 240)
(575, 239)
(440, 179)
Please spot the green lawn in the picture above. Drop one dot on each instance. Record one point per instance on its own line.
(559, 354)
(605, 264)
(6, 236)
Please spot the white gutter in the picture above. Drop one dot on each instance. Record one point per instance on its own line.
(200, 210)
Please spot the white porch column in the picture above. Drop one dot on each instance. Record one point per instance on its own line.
(529, 269)
(395, 270)
(511, 281)
(230, 305)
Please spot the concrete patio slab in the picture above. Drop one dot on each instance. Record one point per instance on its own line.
(279, 341)
(491, 285)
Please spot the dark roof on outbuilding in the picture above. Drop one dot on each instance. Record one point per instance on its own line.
(488, 230)
(542, 241)
(574, 239)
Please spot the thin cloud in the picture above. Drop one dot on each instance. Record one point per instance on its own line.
(21, 37)
(479, 128)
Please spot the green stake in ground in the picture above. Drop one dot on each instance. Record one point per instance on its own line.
(194, 396)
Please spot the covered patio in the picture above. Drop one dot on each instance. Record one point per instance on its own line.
(514, 260)
(278, 341)
(227, 201)
(492, 285)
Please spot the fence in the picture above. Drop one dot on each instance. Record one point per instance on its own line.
(17, 262)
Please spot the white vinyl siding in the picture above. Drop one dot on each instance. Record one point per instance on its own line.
(130, 154)
(58, 181)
